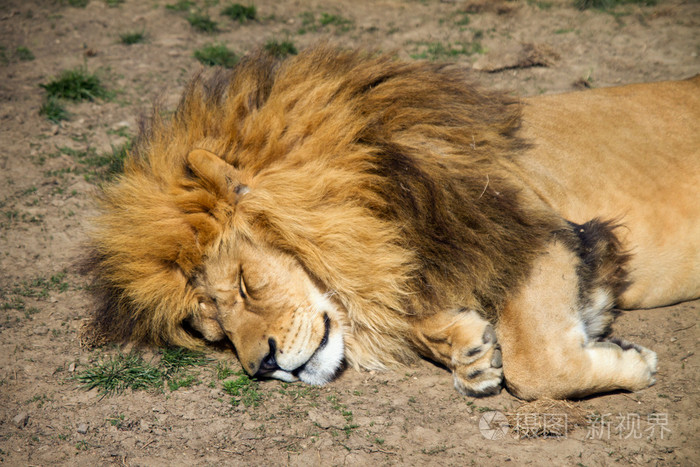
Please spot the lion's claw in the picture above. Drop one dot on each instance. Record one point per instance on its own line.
(497, 359)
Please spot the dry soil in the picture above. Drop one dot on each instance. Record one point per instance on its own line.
(411, 416)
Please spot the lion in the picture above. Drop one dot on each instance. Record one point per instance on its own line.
(345, 208)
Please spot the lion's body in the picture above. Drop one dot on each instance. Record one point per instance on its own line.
(631, 154)
(343, 204)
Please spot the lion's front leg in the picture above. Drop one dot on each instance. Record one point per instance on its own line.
(465, 343)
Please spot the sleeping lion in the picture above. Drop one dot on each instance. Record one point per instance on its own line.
(344, 206)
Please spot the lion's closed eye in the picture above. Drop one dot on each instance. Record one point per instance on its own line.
(242, 289)
(251, 286)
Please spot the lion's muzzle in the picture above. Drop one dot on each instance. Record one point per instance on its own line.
(319, 369)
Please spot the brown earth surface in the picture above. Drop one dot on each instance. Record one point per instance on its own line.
(410, 416)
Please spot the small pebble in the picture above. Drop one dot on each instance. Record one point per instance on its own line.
(122, 124)
(82, 428)
(21, 419)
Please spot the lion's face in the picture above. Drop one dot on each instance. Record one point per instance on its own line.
(280, 323)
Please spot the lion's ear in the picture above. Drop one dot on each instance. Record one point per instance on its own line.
(216, 175)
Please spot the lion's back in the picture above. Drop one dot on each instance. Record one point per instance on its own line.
(631, 154)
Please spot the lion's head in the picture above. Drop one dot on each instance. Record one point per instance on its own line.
(280, 322)
(308, 210)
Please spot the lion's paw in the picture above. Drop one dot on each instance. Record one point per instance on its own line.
(649, 356)
(638, 364)
(639, 358)
(478, 370)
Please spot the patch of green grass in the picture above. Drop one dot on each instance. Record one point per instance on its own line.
(464, 20)
(310, 23)
(184, 382)
(347, 414)
(29, 314)
(244, 390)
(115, 374)
(598, 4)
(97, 166)
(82, 445)
(102, 166)
(334, 20)
(113, 163)
(24, 54)
(216, 55)
(56, 282)
(176, 359)
(240, 13)
(77, 3)
(180, 5)
(40, 399)
(280, 49)
(21, 53)
(133, 37)
(40, 287)
(13, 303)
(114, 3)
(202, 22)
(77, 85)
(17, 216)
(53, 109)
(540, 4)
(29, 191)
(296, 391)
(121, 131)
(609, 4)
(223, 371)
(441, 51)
(435, 450)
(117, 420)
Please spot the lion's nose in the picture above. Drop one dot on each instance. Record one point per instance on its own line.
(269, 363)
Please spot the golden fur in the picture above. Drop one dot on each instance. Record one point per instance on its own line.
(342, 192)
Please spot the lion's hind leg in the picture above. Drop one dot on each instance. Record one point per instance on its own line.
(549, 334)
(465, 343)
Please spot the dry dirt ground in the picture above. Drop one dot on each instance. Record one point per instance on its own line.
(410, 416)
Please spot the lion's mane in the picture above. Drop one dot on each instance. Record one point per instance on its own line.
(388, 181)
